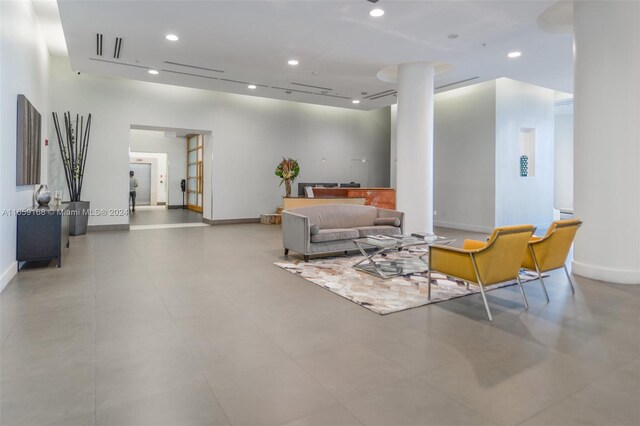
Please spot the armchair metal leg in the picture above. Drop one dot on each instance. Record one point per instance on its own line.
(524, 298)
(429, 284)
(566, 271)
(535, 262)
(484, 299)
(544, 288)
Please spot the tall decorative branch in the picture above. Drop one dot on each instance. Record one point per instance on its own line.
(73, 144)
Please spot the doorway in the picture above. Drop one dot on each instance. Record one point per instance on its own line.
(175, 155)
(142, 173)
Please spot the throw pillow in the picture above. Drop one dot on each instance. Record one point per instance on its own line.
(387, 221)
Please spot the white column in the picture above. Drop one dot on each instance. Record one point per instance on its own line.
(607, 140)
(414, 181)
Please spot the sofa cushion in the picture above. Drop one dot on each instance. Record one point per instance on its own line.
(334, 235)
(365, 231)
(338, 216)
(315, 229)
(388, 221)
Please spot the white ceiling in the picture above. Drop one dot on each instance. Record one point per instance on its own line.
(339, 46)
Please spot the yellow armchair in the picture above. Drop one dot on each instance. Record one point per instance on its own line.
(484, 263)
(550, 252)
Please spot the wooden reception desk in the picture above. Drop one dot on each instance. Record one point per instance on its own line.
(293, 202)
(384, 198)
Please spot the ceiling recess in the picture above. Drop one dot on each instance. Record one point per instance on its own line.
(228, 80)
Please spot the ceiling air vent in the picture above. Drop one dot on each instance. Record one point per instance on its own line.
(456, 82)
(117, 48)
(119, 63)
(234, 81)
(380, 94)
(291, 90)
(192, 66)
(332, 96)
(191, 74)
(314, 87)
(99, 44)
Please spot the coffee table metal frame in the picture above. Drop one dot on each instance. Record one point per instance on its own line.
(390, 268)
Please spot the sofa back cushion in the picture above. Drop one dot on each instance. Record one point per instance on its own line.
(339, 216)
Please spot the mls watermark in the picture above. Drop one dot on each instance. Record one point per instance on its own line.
(43, 211)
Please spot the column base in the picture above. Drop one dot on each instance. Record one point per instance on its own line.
(602, 273)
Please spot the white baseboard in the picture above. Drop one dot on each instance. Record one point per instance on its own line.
(8, 274)
(601, 273)
(464, 227)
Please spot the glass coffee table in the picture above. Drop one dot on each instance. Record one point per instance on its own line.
(376, 262)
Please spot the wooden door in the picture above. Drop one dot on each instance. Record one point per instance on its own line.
(195, 155)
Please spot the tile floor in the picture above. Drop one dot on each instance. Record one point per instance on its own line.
(162, 216)
(196, 326)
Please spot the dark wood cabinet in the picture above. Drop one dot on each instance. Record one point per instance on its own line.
(43, 233)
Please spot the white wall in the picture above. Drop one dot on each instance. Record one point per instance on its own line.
(563, 180)
(24, 69)
(524, 199)
(464, 157)
(249, 136)
(176, 151)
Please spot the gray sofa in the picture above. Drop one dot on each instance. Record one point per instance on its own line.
(332, 228)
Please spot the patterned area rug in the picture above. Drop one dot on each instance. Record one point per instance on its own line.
(337, 275)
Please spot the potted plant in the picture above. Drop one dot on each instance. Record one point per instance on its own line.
(74, 144)
(288, 170)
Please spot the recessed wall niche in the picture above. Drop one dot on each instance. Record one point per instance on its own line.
(527, 152)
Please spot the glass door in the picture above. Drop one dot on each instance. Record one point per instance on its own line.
(195, 155)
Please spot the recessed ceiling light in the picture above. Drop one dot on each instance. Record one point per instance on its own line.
(514, 54)
(293, 62)
(172, 37)
(355, 101)
(154, 72)
(251, 86)
(376, 13)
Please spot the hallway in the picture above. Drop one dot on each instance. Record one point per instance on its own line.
(159, 215)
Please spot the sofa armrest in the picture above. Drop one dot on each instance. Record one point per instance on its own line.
(392, 213)
(296, 232)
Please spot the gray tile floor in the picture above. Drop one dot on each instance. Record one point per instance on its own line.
(196, 326)
(163, 216)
